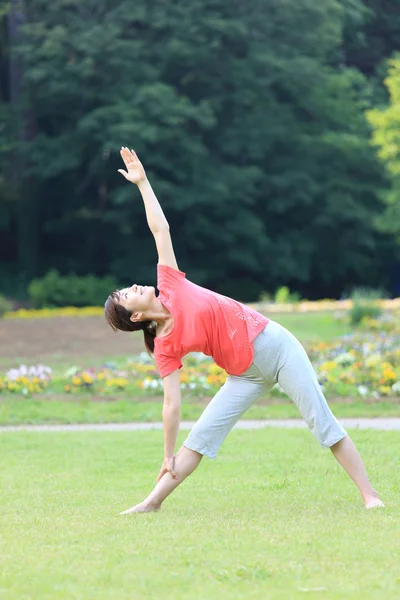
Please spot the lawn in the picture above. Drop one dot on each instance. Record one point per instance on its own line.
(273, 517)
(38, 411)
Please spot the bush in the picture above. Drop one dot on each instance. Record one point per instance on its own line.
(284, 296)
(265, 297)
(365, 305)
(70, 290)
(5, 306)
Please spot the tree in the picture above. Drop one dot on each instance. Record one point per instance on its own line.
(386, 137)
(249, 125)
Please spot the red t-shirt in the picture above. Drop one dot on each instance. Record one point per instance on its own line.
(204, 321)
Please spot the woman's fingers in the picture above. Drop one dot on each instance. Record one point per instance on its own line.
(171, 468)
(128, 155)
(173, 474)
(161, 474)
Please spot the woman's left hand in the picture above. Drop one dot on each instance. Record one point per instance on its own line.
(168, 466)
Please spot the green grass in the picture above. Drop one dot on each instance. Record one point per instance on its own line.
(274, 517)
(17, 411)
(313, 327)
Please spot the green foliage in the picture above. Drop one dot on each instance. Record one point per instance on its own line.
(56, 290)
(386, 137)
(5, 306)
(371, 35)
(365, 305)
(386, 122)
(268, 156)
(284, 296)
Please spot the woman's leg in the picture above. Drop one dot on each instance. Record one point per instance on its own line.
(298, 379)
(186, 462)
(217, 420)
(347, 455)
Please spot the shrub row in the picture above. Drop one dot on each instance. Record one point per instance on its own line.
(70, 290)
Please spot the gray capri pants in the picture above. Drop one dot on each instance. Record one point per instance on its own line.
(278, 358)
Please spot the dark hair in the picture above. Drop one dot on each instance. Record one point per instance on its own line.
(120, 318)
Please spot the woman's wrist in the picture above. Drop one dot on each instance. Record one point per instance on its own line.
(143, 184)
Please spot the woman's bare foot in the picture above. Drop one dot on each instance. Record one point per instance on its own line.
(373, 500)
(141, 508)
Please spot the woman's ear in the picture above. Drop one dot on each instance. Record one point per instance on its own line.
(136, 317)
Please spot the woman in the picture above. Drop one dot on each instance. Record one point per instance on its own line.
(256, 353)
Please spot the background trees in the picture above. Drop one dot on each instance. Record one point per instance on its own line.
(250, 122)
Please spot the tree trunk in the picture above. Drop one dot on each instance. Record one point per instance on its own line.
(25, 213)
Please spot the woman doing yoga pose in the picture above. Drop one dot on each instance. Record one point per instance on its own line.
(255, 352)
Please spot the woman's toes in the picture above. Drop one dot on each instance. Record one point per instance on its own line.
(140, 508)
(373, 503)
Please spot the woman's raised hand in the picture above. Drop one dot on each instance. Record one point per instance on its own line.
(135, 171)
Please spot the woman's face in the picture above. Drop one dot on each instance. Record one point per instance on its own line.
(137, 298)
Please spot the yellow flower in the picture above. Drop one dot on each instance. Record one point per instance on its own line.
(328, 365)
(87, 378)
(389, 375)
(121, 382)
(373, 360)
(347, 377)
(215, 369)
(100, 375)
(386, 365)
(67, 311)
(386, 390)
(76, 380)
(216, 379)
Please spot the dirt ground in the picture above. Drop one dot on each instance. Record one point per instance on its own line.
(63, 340)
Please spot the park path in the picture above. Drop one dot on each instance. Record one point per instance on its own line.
(380, 423)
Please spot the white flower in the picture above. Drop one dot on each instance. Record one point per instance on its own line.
(345, 359)
(396, 387)
(12, 374)
(363, 390)
(144, 358)
(71, 371)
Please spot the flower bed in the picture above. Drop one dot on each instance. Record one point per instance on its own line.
(139, 376)
(304, 306)
(365, 363)
(46, 313)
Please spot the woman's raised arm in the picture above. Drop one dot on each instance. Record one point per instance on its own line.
(156, 220)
